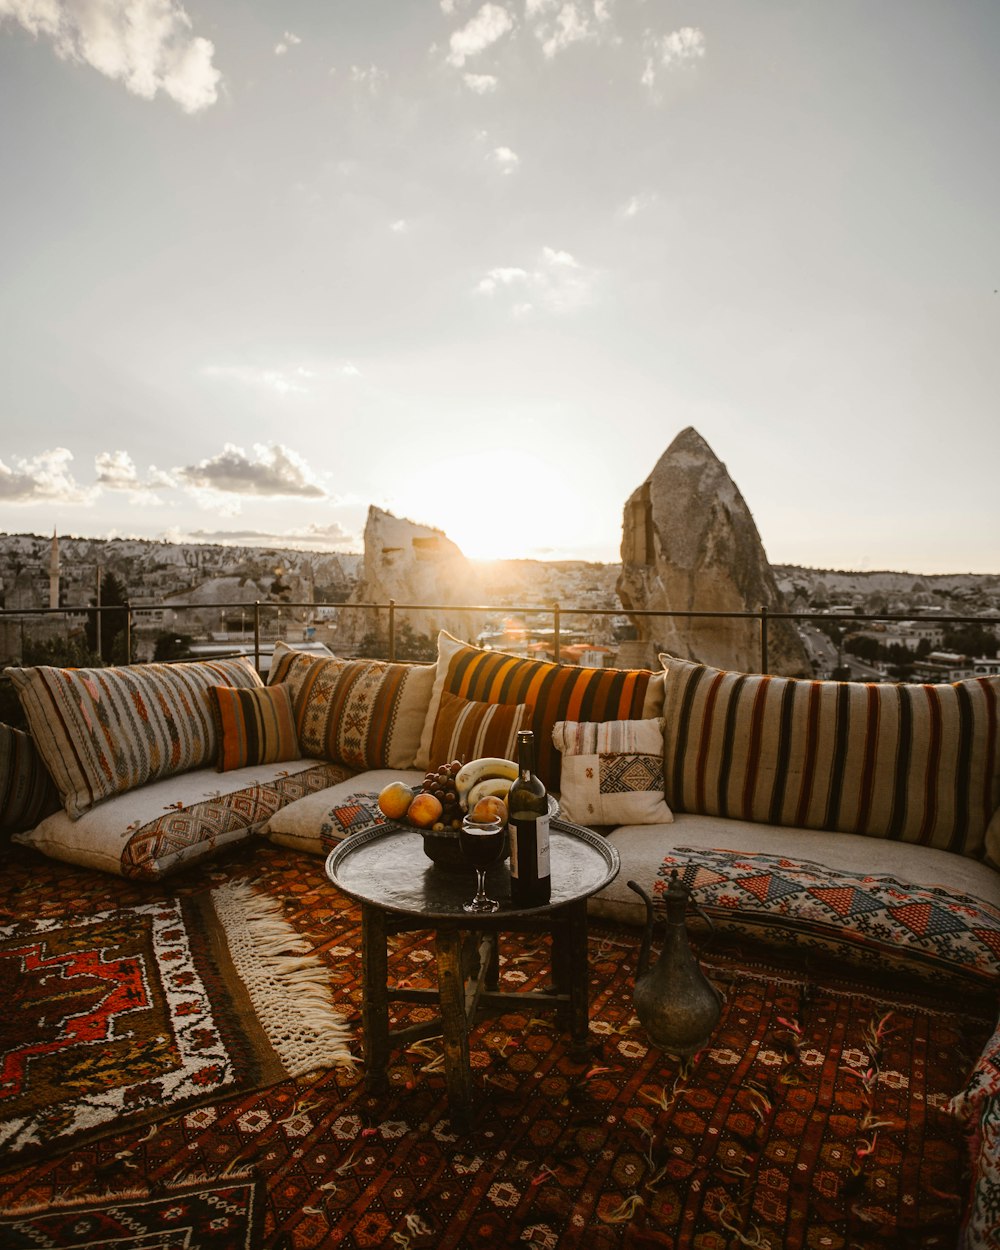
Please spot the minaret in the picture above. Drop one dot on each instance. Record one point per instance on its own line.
(54, 571)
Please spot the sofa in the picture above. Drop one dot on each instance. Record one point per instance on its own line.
(847, 819)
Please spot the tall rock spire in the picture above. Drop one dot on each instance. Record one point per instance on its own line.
(689, 543)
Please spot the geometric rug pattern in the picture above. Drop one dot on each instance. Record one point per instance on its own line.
(816, 1116)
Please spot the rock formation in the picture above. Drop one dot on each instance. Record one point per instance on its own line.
(409, 563)
(689, 543)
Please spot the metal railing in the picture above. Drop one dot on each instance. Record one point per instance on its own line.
(763, 616)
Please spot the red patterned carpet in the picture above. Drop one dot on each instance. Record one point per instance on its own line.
(814, 1119)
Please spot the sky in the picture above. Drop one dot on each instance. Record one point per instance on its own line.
(263, 264)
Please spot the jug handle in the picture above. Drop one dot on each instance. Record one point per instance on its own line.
(712, 932)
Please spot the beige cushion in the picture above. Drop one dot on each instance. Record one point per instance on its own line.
(316, 823)
(360, 713)
(145, 834)
(104, 731)
(554, 692)
(612, 772)
(906, 762)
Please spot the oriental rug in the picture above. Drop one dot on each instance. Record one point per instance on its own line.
(119, 1018)
(815, 1118)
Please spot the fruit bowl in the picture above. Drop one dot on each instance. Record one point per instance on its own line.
(442, 849)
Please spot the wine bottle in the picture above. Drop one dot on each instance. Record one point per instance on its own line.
(528, 808)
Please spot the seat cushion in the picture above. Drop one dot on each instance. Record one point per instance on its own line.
(317, 822)
(554, 691)
(105, 731)
(359, 713)
(146, 834)
(910, 763)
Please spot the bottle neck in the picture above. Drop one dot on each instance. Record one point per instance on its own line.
(525, 756)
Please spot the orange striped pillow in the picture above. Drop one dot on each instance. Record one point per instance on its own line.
(253, 726)
(465, 730)
(912, 763)
(554, 691)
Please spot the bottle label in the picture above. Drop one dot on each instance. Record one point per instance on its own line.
(542, 827)
(521, 840)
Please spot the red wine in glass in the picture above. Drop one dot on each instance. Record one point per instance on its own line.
(481, 844)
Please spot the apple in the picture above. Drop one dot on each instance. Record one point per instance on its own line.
(489, 808)
(424, 811)
(395, 799)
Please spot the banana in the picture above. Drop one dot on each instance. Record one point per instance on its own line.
(490, 766)
(498, 786)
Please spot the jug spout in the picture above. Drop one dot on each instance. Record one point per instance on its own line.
(647, 936)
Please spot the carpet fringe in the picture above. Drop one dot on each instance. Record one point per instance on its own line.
(289, 986)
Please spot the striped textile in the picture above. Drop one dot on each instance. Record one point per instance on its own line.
(465, 730)
(254, 726)
(555, 692)
(913, 763)
(360, 713)
(103, 731)
(27, 793)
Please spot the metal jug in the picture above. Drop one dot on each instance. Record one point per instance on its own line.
(675, 1002)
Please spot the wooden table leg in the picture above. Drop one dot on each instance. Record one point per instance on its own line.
(455, 1026)
(571, 976)
(375, 1005)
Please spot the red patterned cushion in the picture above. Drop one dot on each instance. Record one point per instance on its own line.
(361, 713)
(254, 726)
(466, 730)
(913, 763)
(555, 692)
(875, 920)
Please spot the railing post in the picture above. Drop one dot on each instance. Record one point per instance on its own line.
(128, 631)
(763, 638)
(556, 644)
(392, 630)
(256, 634)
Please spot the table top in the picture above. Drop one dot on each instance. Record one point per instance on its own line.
(388, 867)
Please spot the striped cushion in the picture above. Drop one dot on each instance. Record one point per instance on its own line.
(27, 793)
(361, 713)
(555, 692)
(465, 730)
(103, 731)
(254, 726)
(914, 763)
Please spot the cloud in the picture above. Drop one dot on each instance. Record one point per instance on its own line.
(116, 471)
(491, 23)
(400, 227)
(371, 77)
(273, 470)
(558, 283)
(318, 536)
(284, 382)
(505, 159)
(145, 44)
(680, 48)
(559, 23)
(44, 479)
(638, 204)
(481, 84)
(288, 41)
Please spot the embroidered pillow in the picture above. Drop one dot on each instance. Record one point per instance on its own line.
(361, 713)
(27, 793)
(465, 730)
(612, 772)
(914, 763)
(554, 691)
(104, 731)
(254, 726)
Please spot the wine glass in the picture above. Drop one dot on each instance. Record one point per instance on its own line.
(481, 843)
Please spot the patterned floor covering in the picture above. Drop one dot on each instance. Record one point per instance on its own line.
(814, 1119)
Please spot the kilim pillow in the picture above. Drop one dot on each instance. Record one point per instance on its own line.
(103, 731)
(555, 692)
(465, 730)
(612, 773)
(914, 763)
(361, 713)
(27, 793)
(254, 726)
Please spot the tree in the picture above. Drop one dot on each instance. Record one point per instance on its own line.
(114, 595)
(970, 640)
